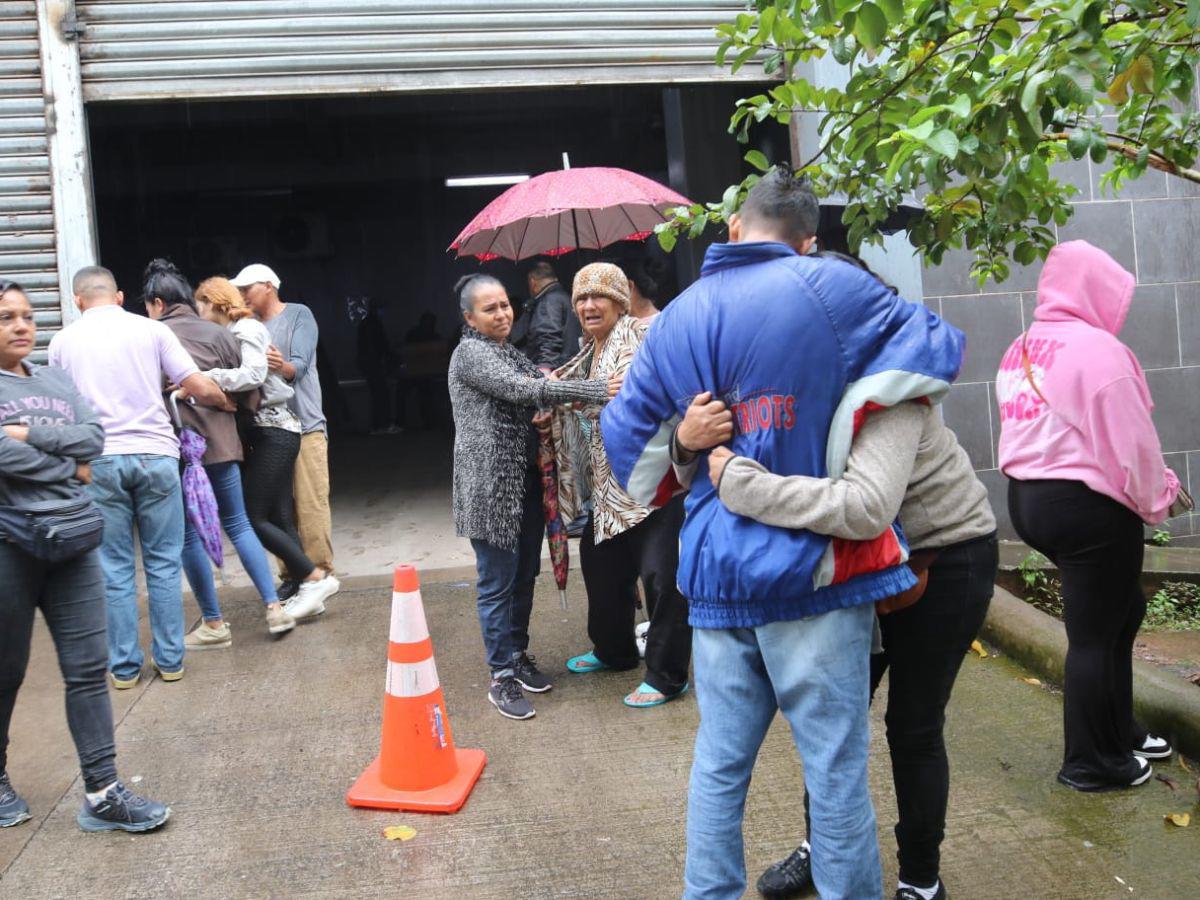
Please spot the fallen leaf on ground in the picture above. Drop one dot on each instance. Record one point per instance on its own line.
(1119, 878)
(978, 648)
(1194, 679)
(1032, 681)
(1183, 762)
(1180, 819)
(399, 832)
(1168, 782)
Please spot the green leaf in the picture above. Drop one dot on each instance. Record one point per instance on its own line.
(743, 58)
(871, 26)
(893, 10)
(666, 239)
(758, 160)
(921, 132)
(961, 106)
(1193, 13)
(1141, 75)
(1030, 99)
(944, 142)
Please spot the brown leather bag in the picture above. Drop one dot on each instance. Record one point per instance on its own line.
(920, 563)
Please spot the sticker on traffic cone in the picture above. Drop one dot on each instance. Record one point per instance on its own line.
(418, 767)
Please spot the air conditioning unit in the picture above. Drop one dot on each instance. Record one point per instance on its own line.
(301, 236)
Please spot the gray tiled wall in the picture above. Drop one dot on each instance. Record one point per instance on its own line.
(1152, 227)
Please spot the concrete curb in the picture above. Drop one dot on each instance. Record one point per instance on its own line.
(1164, 703)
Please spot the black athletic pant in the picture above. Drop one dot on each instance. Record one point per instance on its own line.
(267, 483)
(610, 571)
(923, 649)
(71, 597)
(1097, 545)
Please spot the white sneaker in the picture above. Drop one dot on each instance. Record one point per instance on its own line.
(204, 637)
(309, 601)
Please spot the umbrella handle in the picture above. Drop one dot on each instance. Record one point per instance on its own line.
(562, 598)
(173, 409)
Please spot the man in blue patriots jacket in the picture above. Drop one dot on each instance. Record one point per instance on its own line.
(799, 348)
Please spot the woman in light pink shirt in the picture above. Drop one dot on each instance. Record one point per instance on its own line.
(1087, 471)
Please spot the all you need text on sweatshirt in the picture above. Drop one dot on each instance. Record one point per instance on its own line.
(63, 431)
(1091, 420)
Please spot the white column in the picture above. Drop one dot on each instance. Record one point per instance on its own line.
(70, 159)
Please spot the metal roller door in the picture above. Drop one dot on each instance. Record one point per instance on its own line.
(149, 49)
(27, 252)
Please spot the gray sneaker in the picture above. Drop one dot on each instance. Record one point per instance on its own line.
(529, 676)
(508, 698)
(122, 810)
(13, 810)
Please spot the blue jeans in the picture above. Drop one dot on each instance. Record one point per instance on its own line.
(817, 672)
(227, 487)
(141, 489)
(505, 586)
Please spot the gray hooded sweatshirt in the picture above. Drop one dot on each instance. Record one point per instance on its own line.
(64, 431)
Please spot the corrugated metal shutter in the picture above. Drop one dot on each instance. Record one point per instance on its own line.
(143, 49)
(26, 219)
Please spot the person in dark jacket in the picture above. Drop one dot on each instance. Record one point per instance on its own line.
(554, 329)
(48, 436)
(495, 392)
(169, 299)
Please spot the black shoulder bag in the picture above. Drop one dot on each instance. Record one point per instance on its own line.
(54, 531)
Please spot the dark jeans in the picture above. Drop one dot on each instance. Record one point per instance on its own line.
(270, 461)
(610, 571)
(505, 586)
(1096, 543)
(71, 597)
(923, 649)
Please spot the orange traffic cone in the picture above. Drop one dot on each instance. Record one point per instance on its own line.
(418, 767)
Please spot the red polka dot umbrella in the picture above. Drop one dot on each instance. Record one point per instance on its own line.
(567, 210)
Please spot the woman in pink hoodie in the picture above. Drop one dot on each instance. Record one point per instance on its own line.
(1086, 470)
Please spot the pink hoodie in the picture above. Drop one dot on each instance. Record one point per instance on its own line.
(1094, 425)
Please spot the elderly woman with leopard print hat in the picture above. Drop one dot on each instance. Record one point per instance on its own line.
(495, 392)
(622, 540)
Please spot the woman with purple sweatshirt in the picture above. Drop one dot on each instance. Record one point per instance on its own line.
(1086, 471)
(48, 435)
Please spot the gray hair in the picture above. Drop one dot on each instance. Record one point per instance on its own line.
(468, 286)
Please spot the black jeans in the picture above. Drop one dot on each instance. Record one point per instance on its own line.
(610, 571)
(1096, 543)
(267, 483)
(923, 649)
(71, 597)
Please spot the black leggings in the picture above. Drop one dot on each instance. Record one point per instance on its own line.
(611, 569)
(923, 649)
(1097, 545)
(267, 481)
(71, 597)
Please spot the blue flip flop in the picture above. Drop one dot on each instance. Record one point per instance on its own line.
(586, 662)
(644, 688)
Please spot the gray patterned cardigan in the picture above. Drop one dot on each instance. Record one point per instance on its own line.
(495, 391)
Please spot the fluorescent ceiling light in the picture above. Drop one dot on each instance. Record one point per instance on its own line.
(485, 180)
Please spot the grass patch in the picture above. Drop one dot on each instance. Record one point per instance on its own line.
(1172, 606)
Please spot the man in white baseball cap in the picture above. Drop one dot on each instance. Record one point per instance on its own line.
(293, 355)
(256, 273)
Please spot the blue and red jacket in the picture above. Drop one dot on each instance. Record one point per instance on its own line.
(800, 348)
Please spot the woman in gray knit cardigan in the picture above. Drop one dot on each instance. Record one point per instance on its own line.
(495, 392)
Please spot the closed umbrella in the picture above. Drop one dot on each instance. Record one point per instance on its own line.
(567, 210)
(199, 501)
(556, 529)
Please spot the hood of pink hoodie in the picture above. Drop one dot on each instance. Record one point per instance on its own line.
(1082, 283)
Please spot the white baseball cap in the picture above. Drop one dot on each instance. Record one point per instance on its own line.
(256, 273)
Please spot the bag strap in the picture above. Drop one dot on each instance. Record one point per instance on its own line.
(1029, 369)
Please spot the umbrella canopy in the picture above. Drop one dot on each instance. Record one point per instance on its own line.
(567, 210)
(199, 501)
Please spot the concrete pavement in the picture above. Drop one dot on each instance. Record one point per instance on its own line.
(255, 748)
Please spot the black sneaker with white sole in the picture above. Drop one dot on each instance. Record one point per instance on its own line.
(529, 676)
(510, 701)
(1154, 747)
(788, 878)
(1095, 786)
(120, 809)
(13, 810)
(907, 893)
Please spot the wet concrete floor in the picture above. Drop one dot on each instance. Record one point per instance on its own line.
(256, 746)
